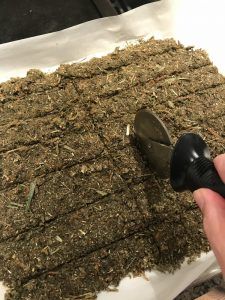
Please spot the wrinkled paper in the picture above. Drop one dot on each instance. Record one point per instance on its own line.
(194, 23)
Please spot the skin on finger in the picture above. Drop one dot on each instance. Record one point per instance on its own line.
(219, 163)
(212, 206)
(213, 209)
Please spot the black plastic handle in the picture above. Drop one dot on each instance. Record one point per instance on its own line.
(202, 173)
(191, 167)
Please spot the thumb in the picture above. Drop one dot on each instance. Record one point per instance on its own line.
(212, 206)
(210, 203)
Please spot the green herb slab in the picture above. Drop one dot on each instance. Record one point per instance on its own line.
(79, 208)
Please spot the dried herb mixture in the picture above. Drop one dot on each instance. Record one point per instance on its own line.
(79, 207)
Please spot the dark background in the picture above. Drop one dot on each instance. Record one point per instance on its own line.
(25, 18)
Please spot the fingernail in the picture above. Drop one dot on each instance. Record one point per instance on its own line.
(199, 197)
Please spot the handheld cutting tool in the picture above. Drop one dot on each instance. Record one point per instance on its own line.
(187, 164)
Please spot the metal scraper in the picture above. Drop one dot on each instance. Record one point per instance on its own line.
(187, 164)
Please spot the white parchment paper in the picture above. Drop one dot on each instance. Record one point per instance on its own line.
(193, 22)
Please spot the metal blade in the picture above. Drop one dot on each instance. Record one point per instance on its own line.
(154, 140)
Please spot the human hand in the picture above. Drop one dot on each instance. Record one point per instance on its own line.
(212, 206)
